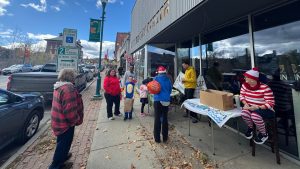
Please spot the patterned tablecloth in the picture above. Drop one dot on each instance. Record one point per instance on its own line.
(218, 116)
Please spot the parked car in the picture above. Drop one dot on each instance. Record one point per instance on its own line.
(20, 116)
(37, 68)
(8, 70)
(18, 68)
(93, 68)
(41, 82)
(89, 74)
(22, 68)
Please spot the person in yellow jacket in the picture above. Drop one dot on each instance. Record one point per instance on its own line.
(190, 83)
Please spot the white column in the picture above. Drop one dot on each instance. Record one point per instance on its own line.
(252, 50)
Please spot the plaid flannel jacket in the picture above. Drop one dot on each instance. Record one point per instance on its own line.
(67, 109)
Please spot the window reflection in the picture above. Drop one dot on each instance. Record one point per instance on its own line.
(277, 54)
(182, 54)
(224, 63)
(160, 57)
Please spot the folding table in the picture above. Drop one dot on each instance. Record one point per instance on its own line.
(220, 117)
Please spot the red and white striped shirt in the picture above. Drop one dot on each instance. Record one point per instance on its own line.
(262, 96)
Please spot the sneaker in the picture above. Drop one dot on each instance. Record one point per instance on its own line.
(249, 133)
(119, 115)
(111, 118)
(143, 114)
(125, 118)
(261, 138)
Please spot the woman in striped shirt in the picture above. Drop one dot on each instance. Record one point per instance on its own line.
(258, 103)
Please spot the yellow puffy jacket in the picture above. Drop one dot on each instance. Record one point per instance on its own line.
(190, 79)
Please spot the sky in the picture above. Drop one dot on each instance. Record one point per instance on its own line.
(42, 19)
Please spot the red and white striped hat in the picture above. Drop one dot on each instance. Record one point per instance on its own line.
(252, 74)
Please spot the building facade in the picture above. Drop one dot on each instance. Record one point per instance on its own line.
(121, 48)
(54, 43)
(238, 35)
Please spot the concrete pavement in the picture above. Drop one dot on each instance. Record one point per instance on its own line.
(122, 144)
(103, 144)
(118, 144)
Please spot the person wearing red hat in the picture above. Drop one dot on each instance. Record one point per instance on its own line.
(258, 100)
(161, 105)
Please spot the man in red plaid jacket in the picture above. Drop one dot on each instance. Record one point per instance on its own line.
(66, 113)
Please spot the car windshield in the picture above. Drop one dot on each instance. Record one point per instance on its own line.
(49, 68)
(18, 66)
(12, 66)
(90, 66)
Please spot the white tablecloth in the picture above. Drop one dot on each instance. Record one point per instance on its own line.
(218, 116)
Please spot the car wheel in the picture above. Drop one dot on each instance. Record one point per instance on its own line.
(31, 126)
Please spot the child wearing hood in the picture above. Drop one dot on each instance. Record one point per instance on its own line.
(258, 103)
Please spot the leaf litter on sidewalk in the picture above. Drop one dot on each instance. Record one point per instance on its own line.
(177, 152)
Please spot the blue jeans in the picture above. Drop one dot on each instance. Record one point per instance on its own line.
(63, 145)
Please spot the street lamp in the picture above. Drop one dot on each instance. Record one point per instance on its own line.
(98, 87)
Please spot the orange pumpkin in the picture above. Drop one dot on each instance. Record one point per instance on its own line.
(153, 87)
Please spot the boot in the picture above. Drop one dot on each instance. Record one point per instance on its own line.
(126, 116)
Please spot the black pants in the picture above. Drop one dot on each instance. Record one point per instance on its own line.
(142, 108)
(160, 121)
(63, 145)
(110, 100)
(189, 94)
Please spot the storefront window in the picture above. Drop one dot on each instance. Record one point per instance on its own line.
(182, 54)
(159, 57)
(277, 55)
(139, 58)
(225, 60)
(195, 56)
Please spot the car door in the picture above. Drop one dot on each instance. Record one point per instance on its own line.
(11, 117)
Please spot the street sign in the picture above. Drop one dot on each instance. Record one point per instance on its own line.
(69, 37)
(67, 58)
(95, 30)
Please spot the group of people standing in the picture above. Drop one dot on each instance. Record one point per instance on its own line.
(67, 106)
(113, 89)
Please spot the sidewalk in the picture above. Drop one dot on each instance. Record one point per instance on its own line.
(118, 145)
(103, 144)
(129, 144)
(39, 155)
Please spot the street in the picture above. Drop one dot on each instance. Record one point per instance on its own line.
(3, 81)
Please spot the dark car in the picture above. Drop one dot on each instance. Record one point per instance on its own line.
(20, 116)
(41, 82)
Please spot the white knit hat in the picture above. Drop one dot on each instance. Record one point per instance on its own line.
(252, 74)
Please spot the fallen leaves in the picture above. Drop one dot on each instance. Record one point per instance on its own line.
(132, 167)
(107, 157)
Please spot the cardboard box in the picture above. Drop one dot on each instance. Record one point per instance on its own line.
(217, 99)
